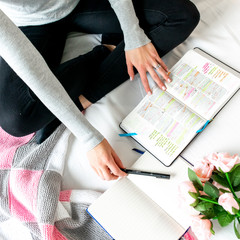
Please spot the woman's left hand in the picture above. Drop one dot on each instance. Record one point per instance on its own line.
(146, 59)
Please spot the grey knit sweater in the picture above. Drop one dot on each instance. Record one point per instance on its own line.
(29, 12)
(26, 61)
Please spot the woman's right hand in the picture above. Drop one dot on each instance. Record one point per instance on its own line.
(146, 59)
(105, 161)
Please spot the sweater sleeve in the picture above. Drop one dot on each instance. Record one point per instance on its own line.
(134, 36)
(30, 66)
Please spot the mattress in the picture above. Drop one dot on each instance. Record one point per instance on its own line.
(218, 33)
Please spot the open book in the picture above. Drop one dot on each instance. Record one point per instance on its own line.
(141, 207)
(166, 122)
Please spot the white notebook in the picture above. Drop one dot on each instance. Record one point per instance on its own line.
(142, 207)
(166, 122)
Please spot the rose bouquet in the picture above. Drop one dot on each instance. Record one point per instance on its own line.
(211, 194)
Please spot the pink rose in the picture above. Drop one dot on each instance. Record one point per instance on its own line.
(204, 169)
(201, 227)
(184, 199)
(183, 189)
(223, 161)
(227, 201)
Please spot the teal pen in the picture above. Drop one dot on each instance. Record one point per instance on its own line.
(127, 134)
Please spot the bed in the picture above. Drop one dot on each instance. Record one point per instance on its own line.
(218, 33)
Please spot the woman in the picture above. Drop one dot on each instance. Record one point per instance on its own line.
(142, 31)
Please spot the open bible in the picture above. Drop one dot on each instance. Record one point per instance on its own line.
(167, 121)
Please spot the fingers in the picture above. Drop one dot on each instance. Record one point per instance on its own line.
(114, 166)
(143, 76)
(157, 79)
(110, 170)
(117, 160)
(107, 175)
(145, 59)
(164, 74)
(161, 62)
(105, 162)
(130, 70)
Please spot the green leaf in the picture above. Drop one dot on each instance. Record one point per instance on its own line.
(194, 178)
(203, 206)
(224, 190)
(236, 189)
(224, 218)
(218, 209)
(194, 195)
(197, 187)
(236, 229)
(234, 167)
(211, 190)
(207, 197)
(195, 203)
(211, 229)
(220, 180)
(221, 174)
(209, 213)
(234, 210)
(236, 177)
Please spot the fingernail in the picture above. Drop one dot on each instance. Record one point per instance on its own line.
(163, 88)
(149, 93)
(169, 80)
(131, 79)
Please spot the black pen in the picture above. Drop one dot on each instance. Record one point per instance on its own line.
(151, 174)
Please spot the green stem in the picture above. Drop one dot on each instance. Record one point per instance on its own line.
(208, 200)
(230, 186)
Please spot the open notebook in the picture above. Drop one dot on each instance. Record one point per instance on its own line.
(141, 207)
(166, 122)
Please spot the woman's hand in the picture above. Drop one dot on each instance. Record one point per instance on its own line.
(105, 161)
(146, 59)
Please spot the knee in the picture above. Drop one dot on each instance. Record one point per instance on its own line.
(15, 104)
(190, 16)
(13, 124)
(14, 120)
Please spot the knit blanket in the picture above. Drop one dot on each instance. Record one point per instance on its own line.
(30, 191)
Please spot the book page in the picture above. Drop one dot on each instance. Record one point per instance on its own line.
(162, 191)
(201, 84)
(222, 135)
(163, 125)
(127, 213)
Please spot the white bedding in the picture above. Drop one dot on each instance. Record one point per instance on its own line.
(218, 33)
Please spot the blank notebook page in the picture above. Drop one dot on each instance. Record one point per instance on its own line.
(128, 213)
(162, 191)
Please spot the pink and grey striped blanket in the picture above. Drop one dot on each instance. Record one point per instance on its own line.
(30, 191)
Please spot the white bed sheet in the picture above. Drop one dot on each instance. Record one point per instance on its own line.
(218, 33)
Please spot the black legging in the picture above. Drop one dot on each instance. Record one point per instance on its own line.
(166, 22)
